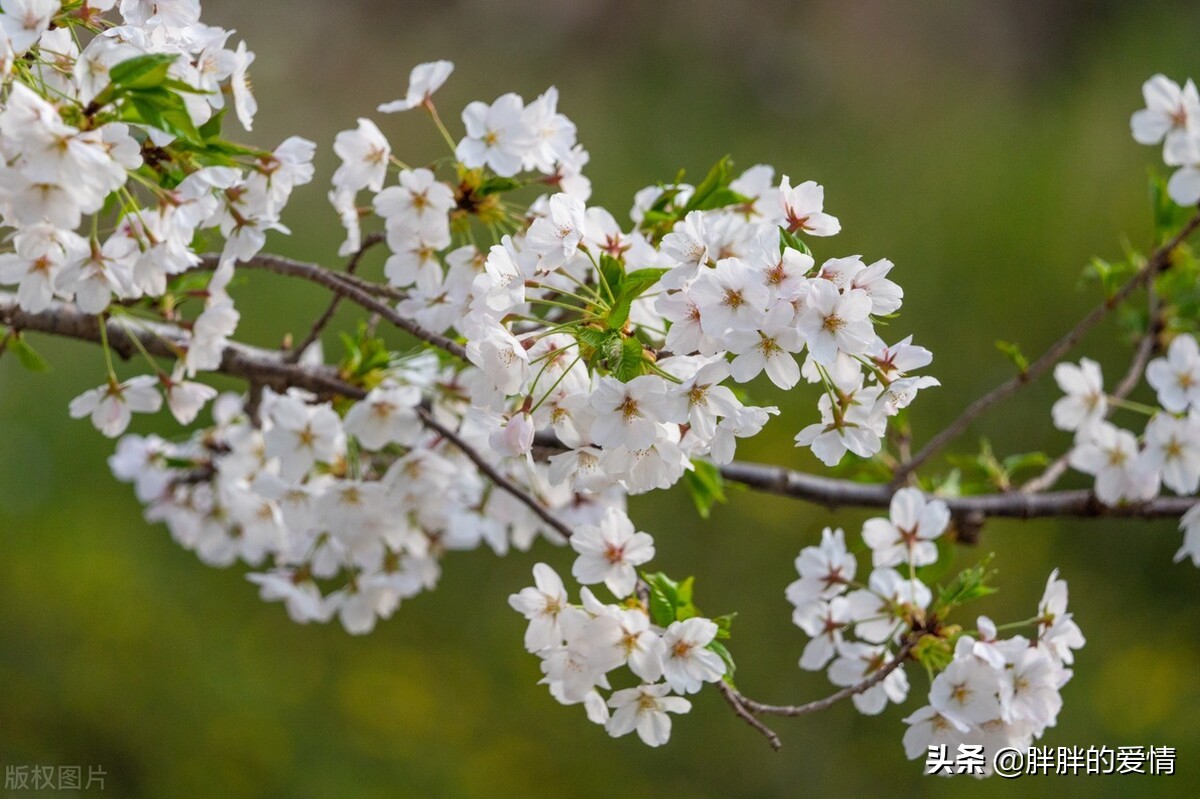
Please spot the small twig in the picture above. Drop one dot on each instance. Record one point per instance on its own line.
(324, 319)
(734, 699)
(500, 480)
(1146, 347)
(337, 283)
(847, 692)
(1048, 359)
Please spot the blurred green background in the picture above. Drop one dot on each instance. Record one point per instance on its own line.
(983, 147)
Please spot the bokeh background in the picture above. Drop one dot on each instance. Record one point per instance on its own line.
(984, 147)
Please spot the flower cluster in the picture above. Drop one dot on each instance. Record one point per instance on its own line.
(1128, 467)
(990, 691)
(582, 645)
(349, 516)
(996, 692)
(1172, 117)
(114, 167)
(624, 342)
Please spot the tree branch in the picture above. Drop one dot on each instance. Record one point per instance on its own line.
(746, 708)
(1158, 261)
(259, 366)
(269, 368)
(338, 284)
(324, 319)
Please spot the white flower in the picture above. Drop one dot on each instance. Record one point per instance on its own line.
(802, 209)
(627, 414)
(423, 81)
(859, 430)
(364, 153)
(609, 553)
(1171, 113)
(881, 609)
(420, 203)
(1173, 450)
(1189, 525)
(835, 322)
(185, 399)
(645, 709)
(825, 622)
(729, 297)
(909, 534)
(1111, 455)
(556, 237)
(1176, 377)
(825, 571)
(857, 662)
(1058, 631)
(769, 348)
(542, 605)
(24, 21)
(497, 136)
(927, 727)
(969, 689)
(111, 406)
(244, 103)
(687, 664)
(1085, 402)
(300, 595)
(302, 435)
(386, 415)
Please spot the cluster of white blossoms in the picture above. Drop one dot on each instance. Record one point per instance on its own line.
(992, 692)
(113, 167)
(1172, 117)
(624, 342)
(596, 360)
(1000, 692)
(1129, 467)
(581, 646)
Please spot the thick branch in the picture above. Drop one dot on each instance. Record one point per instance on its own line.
(833, 493)
(259, 366)
(268, 368)
(1158, 261)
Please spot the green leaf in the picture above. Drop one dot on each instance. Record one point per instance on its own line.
(723, 651)
(630, 362)
(664, 598)
(142, 72)
(722, 198)
(160, 109)
(717, 178)
(27, 355)
(725, 625)
(1014, 354)
(790, 241)
(969, 585)
(632, 286)
(706, 485)
(498, 185)
(211, 129)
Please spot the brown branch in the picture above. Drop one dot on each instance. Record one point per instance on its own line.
(337, 283)
(503, 482)
(268, 368)
(1146, 347)
(833, 493)
(822, 704)
(258, 366)
(324, 319)
(1157, 262)
(734, 699)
